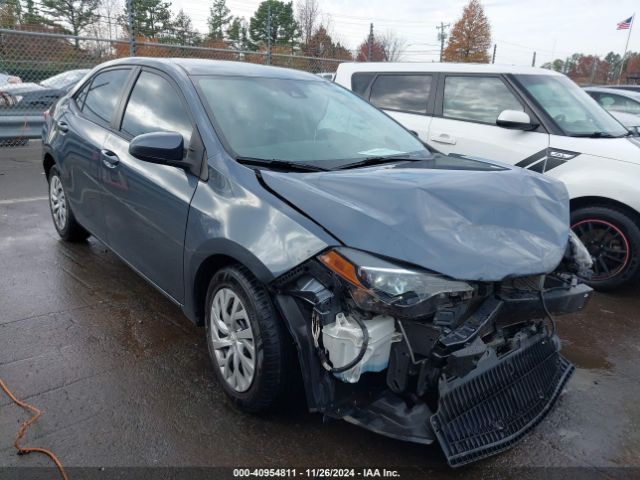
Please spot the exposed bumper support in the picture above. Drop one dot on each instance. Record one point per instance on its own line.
(499, 402)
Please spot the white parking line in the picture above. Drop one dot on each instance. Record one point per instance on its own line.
(11, 201)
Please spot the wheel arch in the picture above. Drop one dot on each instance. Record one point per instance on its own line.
(205, 266)
(47, 163)
(596, 201)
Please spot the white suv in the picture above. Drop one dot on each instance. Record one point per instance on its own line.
(534, 118)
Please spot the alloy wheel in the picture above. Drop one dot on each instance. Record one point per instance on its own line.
(58, 201)
(232, 340)
(607, 244)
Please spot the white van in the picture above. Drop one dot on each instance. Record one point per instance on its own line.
(534, 118)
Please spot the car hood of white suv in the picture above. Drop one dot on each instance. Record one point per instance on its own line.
(626, 149)
(470, 224)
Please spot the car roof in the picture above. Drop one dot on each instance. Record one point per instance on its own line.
(621, 87)
(200, 66)
(352, 67)
(615, 91)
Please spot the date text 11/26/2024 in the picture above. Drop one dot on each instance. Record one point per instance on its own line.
(316, 472)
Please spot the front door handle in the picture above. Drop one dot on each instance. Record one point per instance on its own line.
(62, 126)
(443, 138)
(109, 159)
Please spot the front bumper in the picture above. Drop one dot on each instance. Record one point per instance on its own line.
(498, 403)
(477, 377)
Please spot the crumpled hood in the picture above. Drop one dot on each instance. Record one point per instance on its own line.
(467, 224)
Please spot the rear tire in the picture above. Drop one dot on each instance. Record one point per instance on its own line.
(613, 239)
(63, 219)
(257, 337)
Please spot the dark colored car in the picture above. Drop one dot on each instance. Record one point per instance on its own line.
(312, 234)
(22, 105)
(40, 96)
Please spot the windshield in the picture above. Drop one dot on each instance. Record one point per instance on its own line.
(64, 79)
(572, 109)
(302, 121)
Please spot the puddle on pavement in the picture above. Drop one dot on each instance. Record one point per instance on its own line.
(594, 359)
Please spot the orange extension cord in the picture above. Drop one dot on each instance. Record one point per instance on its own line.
(23, 428)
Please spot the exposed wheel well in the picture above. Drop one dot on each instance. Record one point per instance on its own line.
(47, 163)
(604, 202)
(205, 273)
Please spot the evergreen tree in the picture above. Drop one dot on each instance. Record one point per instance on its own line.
(183, 31)
(284, 28)
(29, 14)
(151, 18)
(219, 18)
(238, 34)
(72, 16)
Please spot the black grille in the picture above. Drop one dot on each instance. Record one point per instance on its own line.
(489, 411)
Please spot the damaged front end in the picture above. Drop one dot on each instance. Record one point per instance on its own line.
(418, 356)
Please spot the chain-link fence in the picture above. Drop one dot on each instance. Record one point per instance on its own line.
(37, 67)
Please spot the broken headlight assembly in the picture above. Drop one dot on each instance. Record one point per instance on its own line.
(420, 356)
(377, 285)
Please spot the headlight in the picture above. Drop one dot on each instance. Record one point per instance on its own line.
(374, 280)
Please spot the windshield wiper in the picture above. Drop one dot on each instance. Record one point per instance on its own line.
(284, 164)
(378, 161)
(594, 135)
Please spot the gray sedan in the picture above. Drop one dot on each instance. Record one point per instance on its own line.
(624, 105)
(318, 241)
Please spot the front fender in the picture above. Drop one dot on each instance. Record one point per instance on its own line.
(591, 176)
(232, 215)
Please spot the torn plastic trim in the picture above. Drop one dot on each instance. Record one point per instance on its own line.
(389, 415)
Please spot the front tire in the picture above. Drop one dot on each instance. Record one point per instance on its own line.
(63, 219)
(249, 348)
(613, 240)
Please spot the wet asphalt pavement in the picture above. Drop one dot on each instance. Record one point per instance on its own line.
(124, 378)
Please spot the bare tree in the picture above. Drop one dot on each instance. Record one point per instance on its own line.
(109, 27)
(308, 17)
(393, 45)
(110, 10)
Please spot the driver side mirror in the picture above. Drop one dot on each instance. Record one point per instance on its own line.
(166, 148)
(515, 120)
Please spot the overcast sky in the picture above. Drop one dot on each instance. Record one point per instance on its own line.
(553, 28)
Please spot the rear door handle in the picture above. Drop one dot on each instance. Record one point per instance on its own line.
(109, 159)
(443, 138)
(62, 126)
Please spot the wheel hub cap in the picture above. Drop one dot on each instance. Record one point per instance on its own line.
(232, 339)
(58, 202)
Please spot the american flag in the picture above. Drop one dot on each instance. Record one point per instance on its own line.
(626, 24)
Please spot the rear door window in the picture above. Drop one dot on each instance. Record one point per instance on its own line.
(102, 96)
(154, 105)
(405, 93)
(477, 99)
(82, 95)
(360, 82)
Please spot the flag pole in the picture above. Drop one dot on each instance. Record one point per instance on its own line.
(633, 20)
